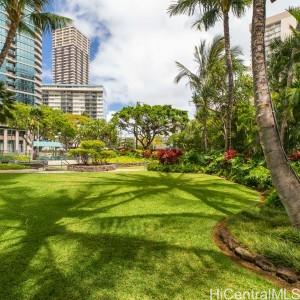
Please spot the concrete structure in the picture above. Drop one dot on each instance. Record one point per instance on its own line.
(22, 69)
(71, 53)
(279, 27)
(12, 141)
(76, 99)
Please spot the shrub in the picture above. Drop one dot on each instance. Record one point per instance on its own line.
(259, 177)
(147, 154)
(93, 150)
(81, 155)
(175, 168)
(273, 200)
(169, 156)
(230, 154)
(92, 145)
(5, 167)
(295, 156)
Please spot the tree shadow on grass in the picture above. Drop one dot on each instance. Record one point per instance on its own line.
(44, 258)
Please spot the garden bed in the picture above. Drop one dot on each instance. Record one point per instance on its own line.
(267, 231)
(92, 168)
(251, 259)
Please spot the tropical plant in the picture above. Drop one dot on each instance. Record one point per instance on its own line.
(212, 11)
(23, 16)
(208, 59)
(284, 178)
(94, 150)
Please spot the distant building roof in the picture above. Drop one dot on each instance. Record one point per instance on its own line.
(47, 144)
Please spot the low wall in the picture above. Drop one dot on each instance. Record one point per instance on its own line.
(94, 168)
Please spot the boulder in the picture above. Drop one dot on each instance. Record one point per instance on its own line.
(287, 274)
(244, 254)
(264, 263)
(232, 243)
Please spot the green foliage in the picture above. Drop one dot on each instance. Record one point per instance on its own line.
(100, 130)
(92, 150)
(92, 145)
(147, 122)
(259, 177)
(11, 166)
(273, 200)
(175, 168)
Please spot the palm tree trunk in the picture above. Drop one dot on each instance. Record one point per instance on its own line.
(205, 131)
(228, 137)
(284, 178)
(12, 31)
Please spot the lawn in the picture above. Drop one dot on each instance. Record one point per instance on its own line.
(268, 231)
(141, 235)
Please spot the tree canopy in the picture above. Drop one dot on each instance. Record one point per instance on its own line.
(146, 122)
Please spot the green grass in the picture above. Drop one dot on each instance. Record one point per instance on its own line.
(268, 231)
(126, 160)
(122, 236)
(10, 166)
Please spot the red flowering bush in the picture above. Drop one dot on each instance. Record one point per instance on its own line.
(295, 156)
(147, 154)
(169, 156)
(230, 154)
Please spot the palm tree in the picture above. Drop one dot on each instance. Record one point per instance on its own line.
(284, 178)
(18, 19)
(6, 104)
(212, 11)
(207, 58)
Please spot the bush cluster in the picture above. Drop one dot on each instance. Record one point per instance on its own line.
(249, 172)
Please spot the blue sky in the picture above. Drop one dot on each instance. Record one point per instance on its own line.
(135, 45)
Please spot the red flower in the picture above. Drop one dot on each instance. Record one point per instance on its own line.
(169, 156)
(295, 156)
(230, 154)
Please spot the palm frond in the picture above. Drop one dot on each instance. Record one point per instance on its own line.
(238, 7)
(183, 7)
(48, 21)
(24, 28)
(208, 18)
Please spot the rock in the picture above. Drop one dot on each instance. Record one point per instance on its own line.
(244, 254)
(287, 274)
(232, 243)
(224, 235)
(264, 263)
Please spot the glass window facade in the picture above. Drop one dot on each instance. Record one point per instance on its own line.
(21, 71)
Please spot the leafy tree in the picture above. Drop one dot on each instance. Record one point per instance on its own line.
(212, 11)
(284, 178)
(18, 18)
(146, 122)
(100, 130)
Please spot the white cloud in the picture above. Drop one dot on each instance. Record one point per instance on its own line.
(136, 63)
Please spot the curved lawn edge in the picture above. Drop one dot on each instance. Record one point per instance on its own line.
(238, 253)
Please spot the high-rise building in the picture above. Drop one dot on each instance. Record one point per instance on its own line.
(22, 69)
(71, 52)
(279, 27)
(76, 99)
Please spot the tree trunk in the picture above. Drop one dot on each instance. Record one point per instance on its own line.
(205, 131)
(284, 178)
(12, 31)
(228, 137)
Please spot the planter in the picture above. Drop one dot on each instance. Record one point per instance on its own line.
(92, 168)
